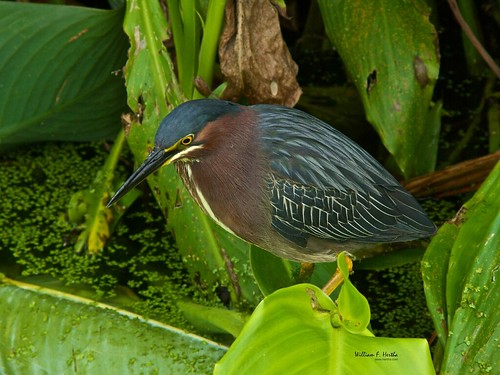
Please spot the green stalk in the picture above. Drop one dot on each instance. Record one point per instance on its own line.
(179, 39)
(190, 46)
(210, 42)
(475, 63)
(184, 21)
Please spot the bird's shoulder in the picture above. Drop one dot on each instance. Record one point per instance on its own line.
(307, 151)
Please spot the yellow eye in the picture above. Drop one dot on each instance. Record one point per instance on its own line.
(187, 140)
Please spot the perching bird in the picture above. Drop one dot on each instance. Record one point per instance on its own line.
(283, 180)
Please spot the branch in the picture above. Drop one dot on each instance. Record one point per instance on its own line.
(456, 179)
(475, 42)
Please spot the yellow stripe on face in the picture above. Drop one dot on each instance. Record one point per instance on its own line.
(184, 154)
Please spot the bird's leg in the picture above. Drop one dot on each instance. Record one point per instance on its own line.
(305, 272)
(337, 278)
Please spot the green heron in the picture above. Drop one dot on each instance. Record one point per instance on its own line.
(283, 180)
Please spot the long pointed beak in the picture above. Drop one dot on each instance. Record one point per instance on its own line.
(153, 162)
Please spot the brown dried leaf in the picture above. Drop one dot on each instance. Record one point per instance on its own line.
(254, 58)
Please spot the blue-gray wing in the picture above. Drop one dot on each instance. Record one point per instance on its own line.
(323, 184)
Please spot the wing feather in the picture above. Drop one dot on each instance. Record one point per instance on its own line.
(322, 184)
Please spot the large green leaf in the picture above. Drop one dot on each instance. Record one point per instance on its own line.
(296, 330)
(389, 48)
(209, 251)
(48, 332)
(459, 270)
(60, 73)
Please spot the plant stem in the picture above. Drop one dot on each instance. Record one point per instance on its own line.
(210, 42)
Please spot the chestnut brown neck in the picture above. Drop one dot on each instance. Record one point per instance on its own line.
(227, 173)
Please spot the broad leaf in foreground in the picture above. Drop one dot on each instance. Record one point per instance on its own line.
(299, 330)
(55, 333)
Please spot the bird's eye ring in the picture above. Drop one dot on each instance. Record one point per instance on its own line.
(187, 140)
